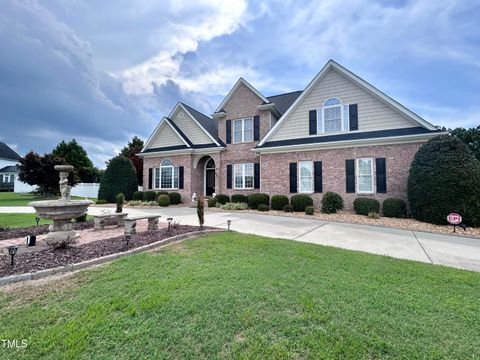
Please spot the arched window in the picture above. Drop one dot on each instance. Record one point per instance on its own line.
(210, 164)
(332, 115)
(166, 176)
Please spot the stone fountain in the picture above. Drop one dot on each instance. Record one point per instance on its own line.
(61, 211)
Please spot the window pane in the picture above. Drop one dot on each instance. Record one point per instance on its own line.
(157, 178)
(364, 166)
(333, 119)
(306, 176)
(238, 175)
(249, 169)
(175, 177)
(248, 181)
(166, 177)
(237, 131)
(166, 162)
(332, 101)
(306, 168)
(365, 183)
(306, 184)
(248, 136)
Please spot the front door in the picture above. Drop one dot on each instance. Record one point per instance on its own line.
(209, 182)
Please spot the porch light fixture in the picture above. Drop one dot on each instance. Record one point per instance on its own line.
(169, 220)
(37, 219)
(12, 250)
(228, 224)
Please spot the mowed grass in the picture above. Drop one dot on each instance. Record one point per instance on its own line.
(17, 199)
(14, 220)
(231, 295)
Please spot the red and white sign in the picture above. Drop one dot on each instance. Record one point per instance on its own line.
(454, 218)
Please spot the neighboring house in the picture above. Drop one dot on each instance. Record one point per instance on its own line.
(8, 167)
(339, 134)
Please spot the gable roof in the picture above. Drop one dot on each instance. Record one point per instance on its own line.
(331, 64)
(239, 82)
(284, 101)
(9, 169)
(174, 127)
(6, 152)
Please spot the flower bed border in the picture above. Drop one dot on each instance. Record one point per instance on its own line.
(101, 260)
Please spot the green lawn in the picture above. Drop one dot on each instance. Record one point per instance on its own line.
(15, 199)
(20, 220)
(237, 296)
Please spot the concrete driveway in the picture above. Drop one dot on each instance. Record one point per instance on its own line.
(449, 250)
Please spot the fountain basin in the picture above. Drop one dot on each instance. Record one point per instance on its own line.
(60, 209)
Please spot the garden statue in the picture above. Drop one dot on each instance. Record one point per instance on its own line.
(64, 187)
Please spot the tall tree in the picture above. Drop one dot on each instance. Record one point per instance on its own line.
(134, 147)
(119, 177)
(74, 154)
(471, 138)
(39, 170)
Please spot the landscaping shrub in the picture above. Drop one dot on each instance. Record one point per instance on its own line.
(239, 198)
(262, 207)
(300, 202)
(331, 202)
(163, 200)
(137, 196)
(256, 199)
(393, 207)
(137, 203)
(212, 202)
(158, 193)
(309, 210)
(363, 205)
(101, 202)
(288, 208)
(119, 177)
(373, 215)
(235, 206)
(149, 196)
(222, 199)
(279, 201)
(175, 198)
(444, 177)
(119, 200)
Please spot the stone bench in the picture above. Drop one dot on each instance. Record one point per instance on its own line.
(131, 223)
(99, 220)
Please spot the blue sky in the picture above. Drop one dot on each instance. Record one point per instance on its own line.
(103, 71)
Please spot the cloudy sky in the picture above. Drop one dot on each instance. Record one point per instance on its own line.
(103, 71)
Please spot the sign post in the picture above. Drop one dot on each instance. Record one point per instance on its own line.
(454, 219)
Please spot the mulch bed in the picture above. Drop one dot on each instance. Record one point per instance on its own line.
(38, 230)
(32, 261)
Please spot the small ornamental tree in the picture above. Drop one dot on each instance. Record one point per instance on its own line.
(201, 210)
(444, 177)
(119, 177)
(130, 151)
(75, 155)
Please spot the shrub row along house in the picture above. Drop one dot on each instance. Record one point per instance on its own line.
(339, 134)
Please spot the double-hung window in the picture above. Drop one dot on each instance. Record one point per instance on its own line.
(365, 175)
(306, 176)
(333, 117)
(243, 130)
(243, 175)
(166, 176)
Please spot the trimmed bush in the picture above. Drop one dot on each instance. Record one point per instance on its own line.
(373, 215)
(262, 207)
(331, 202)
(119, 177)
(137, 196)
(363, 206)
(300, 202)
(235, 206)
(279, 201)
(288, 208)
(256, 199)
(158, 193)
(212, 202)
(175, 198)
(444, 177)
(393, 207)
(149, 196)
(222, 199)
(309, 210)
(101, 202)
(163, 200)
(239, 198)
(120, 200)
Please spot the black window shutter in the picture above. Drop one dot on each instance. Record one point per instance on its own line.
(381, 171)
(228, 135)
(353, 111)
(229, 176)
(312, 122)
(318, 186)
(256, 176)
(256, 128)
(180, 177)
(150, 178)
(350, 172)
(293, 177)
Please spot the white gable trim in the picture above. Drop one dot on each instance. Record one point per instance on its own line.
(235, 87)
(157, 130)
(180, 105)
(331, 64)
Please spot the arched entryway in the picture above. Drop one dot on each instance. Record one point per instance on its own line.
(209, 177)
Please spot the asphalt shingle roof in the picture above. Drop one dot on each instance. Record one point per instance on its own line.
(6, 152)
(9, 169)
(284, 101)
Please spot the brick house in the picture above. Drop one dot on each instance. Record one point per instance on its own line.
(339, 134)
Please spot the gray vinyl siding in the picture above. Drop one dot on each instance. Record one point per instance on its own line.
(165, 137)
(373, 114)
(188, 126)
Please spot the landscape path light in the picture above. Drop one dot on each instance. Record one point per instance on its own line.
(12, 250)
(169, 220)
(37, 219)
(228, 224)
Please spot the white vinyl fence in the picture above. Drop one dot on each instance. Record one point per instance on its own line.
(89, 190)
(21, 187)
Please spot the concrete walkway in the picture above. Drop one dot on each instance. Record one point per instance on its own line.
(449, 250)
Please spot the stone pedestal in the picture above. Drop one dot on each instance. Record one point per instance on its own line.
(61, 233)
